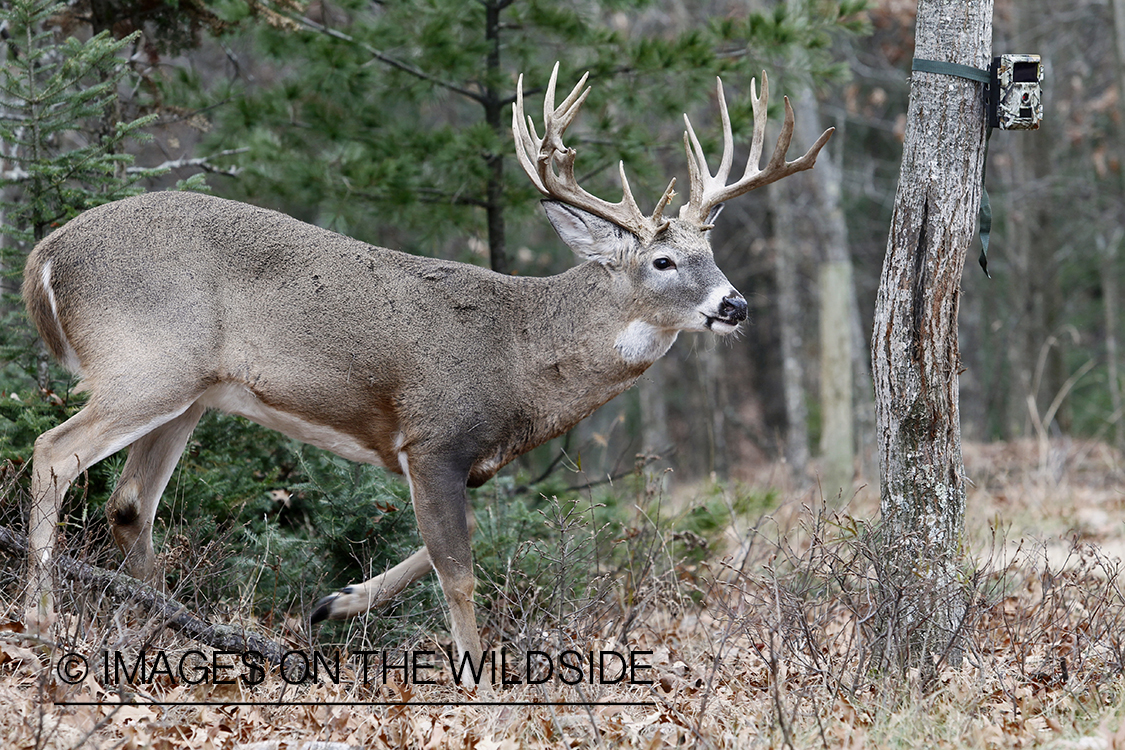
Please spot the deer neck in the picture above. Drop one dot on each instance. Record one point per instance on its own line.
(589, 344)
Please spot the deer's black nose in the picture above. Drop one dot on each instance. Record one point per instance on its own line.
(733, 307)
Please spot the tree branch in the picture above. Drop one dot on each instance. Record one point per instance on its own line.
(175, 615)
(203, 162)
(642, 461)
(427, 195)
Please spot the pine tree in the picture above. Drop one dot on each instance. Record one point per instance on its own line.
(397, 116)
(60, 155)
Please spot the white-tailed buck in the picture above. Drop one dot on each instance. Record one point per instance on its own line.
(171, 303)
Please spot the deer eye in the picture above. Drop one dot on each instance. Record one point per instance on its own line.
(663, 264)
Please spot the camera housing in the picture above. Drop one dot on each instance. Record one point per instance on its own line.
(1015, 92)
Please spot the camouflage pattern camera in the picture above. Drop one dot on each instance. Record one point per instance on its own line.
(1015, 100)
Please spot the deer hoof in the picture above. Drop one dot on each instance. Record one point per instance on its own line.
(322, 610)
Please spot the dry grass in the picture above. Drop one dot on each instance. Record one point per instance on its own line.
(775, 644)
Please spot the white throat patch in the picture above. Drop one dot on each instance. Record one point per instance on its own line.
(643, 342)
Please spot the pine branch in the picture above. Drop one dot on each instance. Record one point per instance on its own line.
(383, 57)
(426, 195)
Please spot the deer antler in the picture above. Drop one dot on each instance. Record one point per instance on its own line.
(540, 156)
(708, 192)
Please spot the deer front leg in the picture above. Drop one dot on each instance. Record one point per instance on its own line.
(441, 507)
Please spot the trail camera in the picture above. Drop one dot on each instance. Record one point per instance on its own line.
(1015, 100)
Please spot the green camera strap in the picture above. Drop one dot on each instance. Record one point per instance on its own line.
(951, 69)
(980, 76)
(985, 209)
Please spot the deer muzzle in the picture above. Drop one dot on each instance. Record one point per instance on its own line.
(733, 308)
(728, 313)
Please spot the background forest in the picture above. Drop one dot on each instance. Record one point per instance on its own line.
(389, 121)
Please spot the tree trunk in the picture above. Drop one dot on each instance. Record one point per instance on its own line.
(710, 361)
(1030, 251)
(1110, 277)
(493, 110)
(837, 444)
(652, 389)
(1109, 300)
(863, 397)
(845, 378)
(787, 252)
(915, 359)
(837, 304)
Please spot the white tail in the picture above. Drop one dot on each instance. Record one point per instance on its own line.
(171, 303)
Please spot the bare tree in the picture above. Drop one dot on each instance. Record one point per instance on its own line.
(915, 358)
(837, 313)
(821, 223)
(788, 248)
(1109, 276)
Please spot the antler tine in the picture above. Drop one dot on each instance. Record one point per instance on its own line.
(558, 119)
(761, 114)
(728, 136)
(698, 172)
(658, 212)
(527, 142)
(627, 193)
(777, 159)
(695, 171)
(550, 153)
(707, 191)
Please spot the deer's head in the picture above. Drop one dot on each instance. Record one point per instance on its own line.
(666, 262)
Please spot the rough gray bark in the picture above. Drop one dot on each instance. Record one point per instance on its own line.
(915, 359)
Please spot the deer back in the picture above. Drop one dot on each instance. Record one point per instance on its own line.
(180, 294)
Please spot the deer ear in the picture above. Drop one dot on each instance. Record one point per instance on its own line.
(590, 236)
(718, 209)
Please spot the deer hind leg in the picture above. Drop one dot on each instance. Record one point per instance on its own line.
(61, 454)
(132, 506)
(359, 597)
